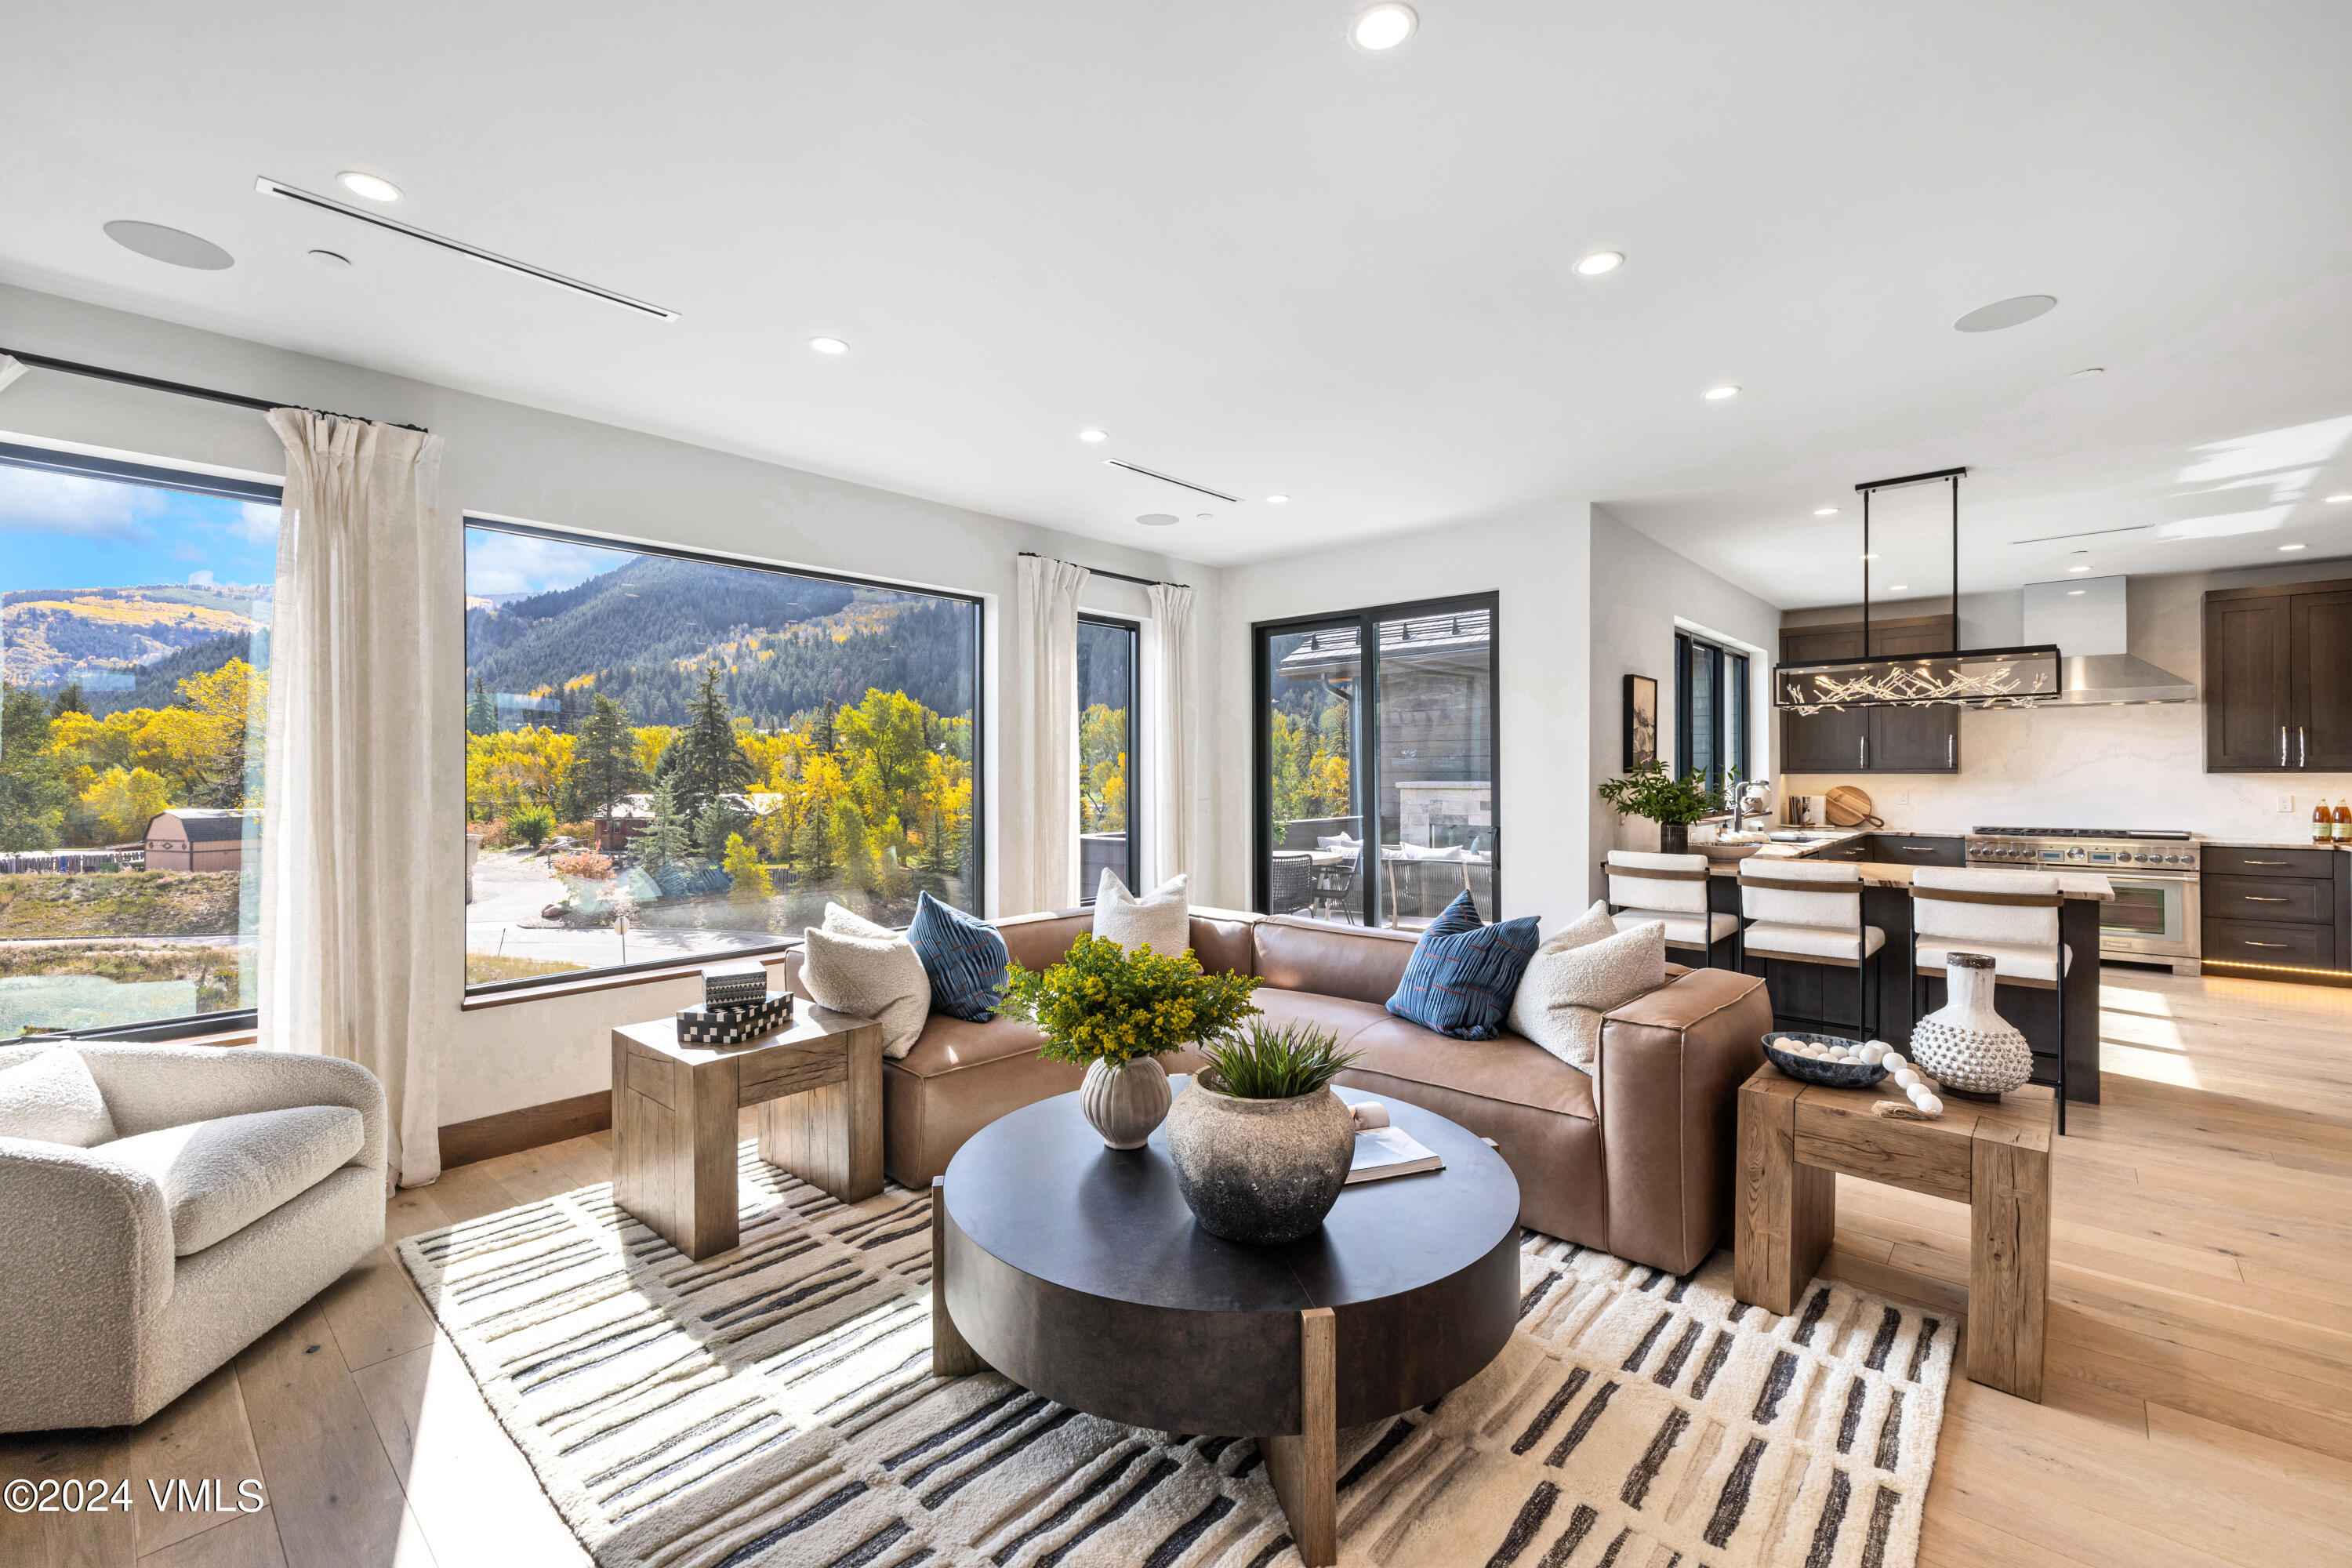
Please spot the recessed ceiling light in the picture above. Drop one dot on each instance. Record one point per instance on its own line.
(1094, 434)
(1384, 28)
(2291, 547)
(1870, 557)
(333, 260)
(374, 187)
(1824, 511)
(2089, 370)
(2011, 312)
(1900, 588)
(829, 346)
(1601, 261)
(1276, 501)
(2078, 553)
(178, 246)
(1158, 520)
(2078, 568)
(2338, 500)
(1204, 516)
(1717, 393)
(2076, 593)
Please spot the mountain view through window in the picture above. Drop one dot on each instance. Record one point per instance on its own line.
(134, 614)
(667, 756)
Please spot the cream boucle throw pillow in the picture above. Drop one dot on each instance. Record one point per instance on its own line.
(851, 965)
(1565, 992)
(1595, 924)
(1160, 917)
(53, 1098)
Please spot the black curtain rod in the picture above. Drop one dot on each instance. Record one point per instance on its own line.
(1143, 582)
(153, 384)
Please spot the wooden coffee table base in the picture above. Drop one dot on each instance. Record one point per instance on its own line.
(1305, 1468)
(1796, 1140)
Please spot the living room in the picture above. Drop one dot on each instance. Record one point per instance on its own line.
(503, 544)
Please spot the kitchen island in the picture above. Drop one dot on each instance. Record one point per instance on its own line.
(1815, 997)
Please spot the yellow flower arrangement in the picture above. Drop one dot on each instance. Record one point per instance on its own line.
(1104, 1004)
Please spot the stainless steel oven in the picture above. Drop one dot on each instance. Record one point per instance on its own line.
(2154, 917)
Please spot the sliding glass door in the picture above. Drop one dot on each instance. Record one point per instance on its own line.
(1375, 763)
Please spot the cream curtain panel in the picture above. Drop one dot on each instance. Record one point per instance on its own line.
(1172, 709)
(1038, 835)
(361, 857)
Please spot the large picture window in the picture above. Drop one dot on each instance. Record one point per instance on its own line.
(670, 755)
(134, 653)
(1710, 709)
(1107, 758)
(1376, 763)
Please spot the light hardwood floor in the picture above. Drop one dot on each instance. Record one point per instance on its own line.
(2197, 1403)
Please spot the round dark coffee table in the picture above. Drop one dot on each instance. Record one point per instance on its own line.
(1078, 1272)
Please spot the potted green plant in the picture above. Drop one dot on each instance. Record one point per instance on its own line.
(1118, 1012)
(1674, 804)
(1260, 1144)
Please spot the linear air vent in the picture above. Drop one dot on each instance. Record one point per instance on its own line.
(1172, 480)
(270, 188)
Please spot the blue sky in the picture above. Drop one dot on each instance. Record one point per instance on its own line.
(500, 562)
(67, 531)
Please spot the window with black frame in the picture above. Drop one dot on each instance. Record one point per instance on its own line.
(670, 755)
(1108, 839)
(134, 657)
(1711, 710)
(1375, 777)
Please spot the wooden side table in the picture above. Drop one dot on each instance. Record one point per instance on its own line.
(1796, 1139)
(818, 1086)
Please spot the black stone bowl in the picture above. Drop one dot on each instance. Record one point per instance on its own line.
(1832, 1074)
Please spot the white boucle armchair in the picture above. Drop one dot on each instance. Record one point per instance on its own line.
(106, 1312)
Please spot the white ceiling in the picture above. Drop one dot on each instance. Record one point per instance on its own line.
(1268, 261)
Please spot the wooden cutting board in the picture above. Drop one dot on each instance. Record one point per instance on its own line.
(1849, 808)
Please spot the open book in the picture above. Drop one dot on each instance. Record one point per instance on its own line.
(1390, 1152)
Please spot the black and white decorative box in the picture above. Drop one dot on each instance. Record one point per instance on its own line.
(734, 984)
(736, 1025)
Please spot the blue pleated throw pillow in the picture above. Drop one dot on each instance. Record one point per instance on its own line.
(963, 957)
(1463, 975)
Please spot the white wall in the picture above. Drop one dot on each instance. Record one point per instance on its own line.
(1640, 590)
(515, 462)
(2139, 766)
(1539, 565)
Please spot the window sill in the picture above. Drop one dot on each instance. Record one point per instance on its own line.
(557, 986)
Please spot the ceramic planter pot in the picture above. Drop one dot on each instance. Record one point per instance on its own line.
(1125, 1101)
(1673, 838)
(1964, 1045)
(1259, 1171)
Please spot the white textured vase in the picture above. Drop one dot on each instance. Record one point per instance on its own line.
(1965, 1045)
(1126, 1101)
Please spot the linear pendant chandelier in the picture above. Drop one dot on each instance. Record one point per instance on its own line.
(1961, 678)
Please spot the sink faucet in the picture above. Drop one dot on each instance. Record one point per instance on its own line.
(1748, 797)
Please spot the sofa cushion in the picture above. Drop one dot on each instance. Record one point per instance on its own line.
(1564, 993)
(1041, 941)
(1330, 960)
(221, 1175)
(1506, 1068)
(1341, 1017)
(963, 958)
(1459, 983)
(1160, 919)
(854, 966)
(948, 1044)
(53, 1098)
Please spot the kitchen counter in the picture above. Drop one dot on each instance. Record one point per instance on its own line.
(2270, 843)
(1886, 874)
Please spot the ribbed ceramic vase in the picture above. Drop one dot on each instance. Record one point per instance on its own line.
(1964, 1045)
(1259, 1171)
(1124, 1101)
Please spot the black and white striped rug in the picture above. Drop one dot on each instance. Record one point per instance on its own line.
(773, 1405)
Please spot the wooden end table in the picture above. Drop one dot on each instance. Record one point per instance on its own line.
(1796, 1139)
(1078, 1272)
(818, 1085)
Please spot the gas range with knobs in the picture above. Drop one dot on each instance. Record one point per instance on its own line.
(2154, 917)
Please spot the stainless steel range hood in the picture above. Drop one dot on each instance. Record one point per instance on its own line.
(2087, 618)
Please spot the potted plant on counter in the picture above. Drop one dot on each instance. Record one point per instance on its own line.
(1117, 1012)
(1674, 804)
(1260, 1143)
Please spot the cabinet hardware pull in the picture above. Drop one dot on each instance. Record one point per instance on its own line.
(2265, 862)
(2282, 745)
(2265, 944)
(2258, 898)
(1862, 750)
(1952, 745)
(2302, 748)
(1919, 849)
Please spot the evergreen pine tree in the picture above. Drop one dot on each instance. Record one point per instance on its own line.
(68, 699)
(709, 762)
(662, 846)
(715, 826)
(481, 713)
(604, 759)
(812, 848)
(822, 734)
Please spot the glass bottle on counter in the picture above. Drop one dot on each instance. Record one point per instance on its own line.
(2322, 823)
(2343, 822)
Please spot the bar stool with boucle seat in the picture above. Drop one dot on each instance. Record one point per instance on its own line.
(2010, 917)
(1670, 889)
(1808, 911)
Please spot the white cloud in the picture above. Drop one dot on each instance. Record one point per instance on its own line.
(200, 579)
(39, 500)
(516, 563)
(257, 522)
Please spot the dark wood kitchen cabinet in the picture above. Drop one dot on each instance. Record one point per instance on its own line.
(1870, 740)
(2278, 679)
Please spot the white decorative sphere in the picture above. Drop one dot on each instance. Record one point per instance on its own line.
(1906, 1077)
(1892, 1061)
(1928, 1102)
(1873, 1051)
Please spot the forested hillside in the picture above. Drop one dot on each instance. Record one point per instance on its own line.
(784, 646)
(54, 635)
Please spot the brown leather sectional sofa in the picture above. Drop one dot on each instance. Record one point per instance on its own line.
(1636, 1159)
